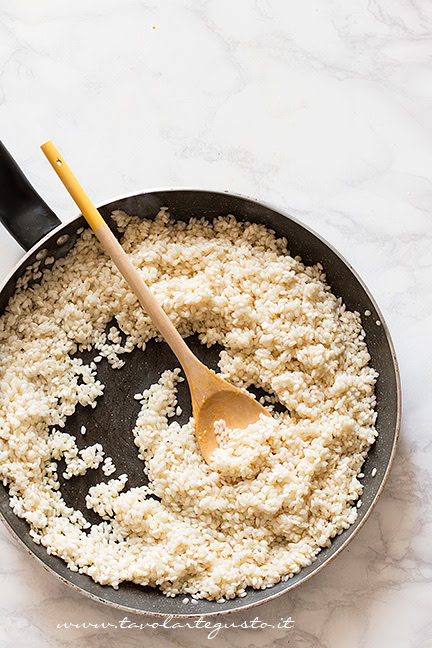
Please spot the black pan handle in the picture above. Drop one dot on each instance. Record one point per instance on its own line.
(22, 211)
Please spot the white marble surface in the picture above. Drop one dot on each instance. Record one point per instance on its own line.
(321, 108)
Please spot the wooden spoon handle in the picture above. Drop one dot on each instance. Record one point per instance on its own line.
(113, 248)
(158, 316)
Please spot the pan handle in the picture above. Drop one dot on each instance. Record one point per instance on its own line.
(22, 211)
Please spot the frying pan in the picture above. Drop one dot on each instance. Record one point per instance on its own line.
(40, 233)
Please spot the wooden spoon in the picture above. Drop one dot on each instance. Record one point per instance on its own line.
(212, 397)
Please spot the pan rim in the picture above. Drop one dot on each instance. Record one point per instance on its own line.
(319, 567)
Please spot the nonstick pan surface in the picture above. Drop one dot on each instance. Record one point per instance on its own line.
(112, 421)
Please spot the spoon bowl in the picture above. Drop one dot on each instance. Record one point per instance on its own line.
(214, 399)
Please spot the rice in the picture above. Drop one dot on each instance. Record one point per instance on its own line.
(244, 453)
(108, 468)
(273, 497)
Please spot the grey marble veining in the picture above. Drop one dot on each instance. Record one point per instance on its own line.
(322, 109)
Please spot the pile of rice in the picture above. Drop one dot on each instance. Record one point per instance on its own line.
(273, 497)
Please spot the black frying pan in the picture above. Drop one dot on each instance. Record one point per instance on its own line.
(37, 229)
